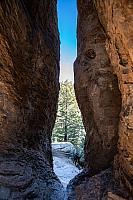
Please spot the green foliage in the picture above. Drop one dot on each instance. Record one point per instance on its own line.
(68, 126)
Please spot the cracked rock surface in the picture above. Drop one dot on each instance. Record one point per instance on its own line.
(29, 86)
(104, 90)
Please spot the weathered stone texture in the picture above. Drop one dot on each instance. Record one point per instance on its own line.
(96, 89)
(88, 186)
(29, 70)
(117, 19)
(112, 196)
(104, 89)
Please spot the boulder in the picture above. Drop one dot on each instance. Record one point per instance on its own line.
(63, 148)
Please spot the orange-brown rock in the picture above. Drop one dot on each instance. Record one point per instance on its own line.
(96, 88)
(117, 20)
(112, 196)
(104, 89)
(29, 85)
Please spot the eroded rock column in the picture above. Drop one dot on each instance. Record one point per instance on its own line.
(96, 88)
(29, 86)
(117, 19)
(103, 86)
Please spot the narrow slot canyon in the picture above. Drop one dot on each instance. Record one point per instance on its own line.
(29, 96)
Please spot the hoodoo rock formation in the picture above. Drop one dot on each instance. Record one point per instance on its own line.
(29, 86)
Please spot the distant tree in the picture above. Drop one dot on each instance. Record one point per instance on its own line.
(68, 126)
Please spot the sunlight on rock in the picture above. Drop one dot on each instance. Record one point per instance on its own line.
(63, 159)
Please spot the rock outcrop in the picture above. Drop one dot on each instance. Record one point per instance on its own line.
(96, 88)
(29, 86)
(117, 20)
(66, 149)
(103, 85)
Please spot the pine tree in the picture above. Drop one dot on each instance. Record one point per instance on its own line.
(68, 126)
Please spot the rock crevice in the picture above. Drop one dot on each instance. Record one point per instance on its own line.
(29, 87)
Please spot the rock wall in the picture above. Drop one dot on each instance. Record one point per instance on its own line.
(96, 88)
(117, 19)
(29, 86)
(104, 90)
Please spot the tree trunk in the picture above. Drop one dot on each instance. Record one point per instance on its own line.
(65, 123)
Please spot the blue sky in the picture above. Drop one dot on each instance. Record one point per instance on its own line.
(67, 22)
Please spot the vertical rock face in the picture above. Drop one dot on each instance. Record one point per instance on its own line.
(96, 89)
(29, 69)
(104, 90)
(117, 19)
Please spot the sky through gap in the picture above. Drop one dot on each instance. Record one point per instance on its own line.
(67, 22)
